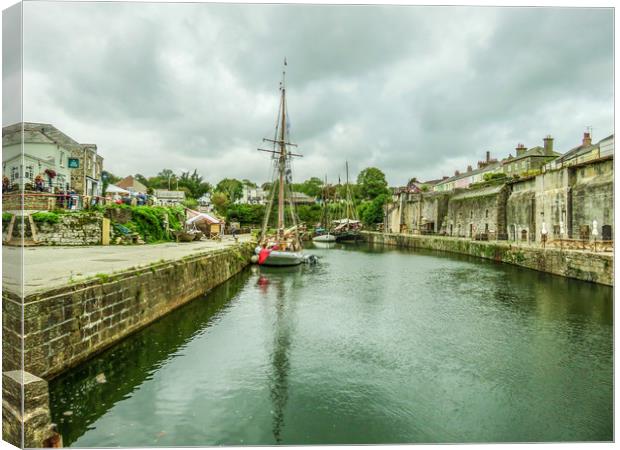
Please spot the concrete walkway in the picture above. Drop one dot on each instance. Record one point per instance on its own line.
(49, 267)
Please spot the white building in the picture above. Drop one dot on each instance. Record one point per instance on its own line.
(51, 155)
(205, 201)
(253, 196)
(168, 198)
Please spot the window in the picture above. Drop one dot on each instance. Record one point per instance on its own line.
(486, 214)
(471, 215)
(29, 173)
(14, 173)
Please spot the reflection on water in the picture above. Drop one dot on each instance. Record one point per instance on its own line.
(371, 345)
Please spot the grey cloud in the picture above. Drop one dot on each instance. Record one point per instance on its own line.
(11, 63)
(409, 89)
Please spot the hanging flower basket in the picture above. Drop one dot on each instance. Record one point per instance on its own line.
(50, 173)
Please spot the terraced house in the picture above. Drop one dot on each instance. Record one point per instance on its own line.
(540, 192)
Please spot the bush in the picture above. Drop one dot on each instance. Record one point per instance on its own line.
(190, 203)
(494, 176)
(372, 212)
(46, 217)
(310, 214)
(148, 222)
(6, 217)
(245, 214)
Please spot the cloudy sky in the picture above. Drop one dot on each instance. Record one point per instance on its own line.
(416, 91)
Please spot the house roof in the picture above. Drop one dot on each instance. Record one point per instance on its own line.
(469, 174)
(131, 182)
(35, 132)
(576, 151)
(534, 151)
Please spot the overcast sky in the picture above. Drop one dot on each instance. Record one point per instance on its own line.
(415, 91)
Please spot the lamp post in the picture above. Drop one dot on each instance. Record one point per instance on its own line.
(543, 234)
(594, 232)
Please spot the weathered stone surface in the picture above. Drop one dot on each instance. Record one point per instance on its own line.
(73, 229)
(25, 409)
(582, 265)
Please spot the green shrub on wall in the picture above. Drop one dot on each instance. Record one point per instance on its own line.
(46, 217)
(149, 221)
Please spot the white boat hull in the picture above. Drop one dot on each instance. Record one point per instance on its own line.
(278, 258)
(325, 238)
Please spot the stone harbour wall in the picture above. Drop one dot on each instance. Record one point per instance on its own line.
(29, 424)
(65, 326)
(581, 265)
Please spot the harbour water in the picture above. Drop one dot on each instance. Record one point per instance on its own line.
(371, 345)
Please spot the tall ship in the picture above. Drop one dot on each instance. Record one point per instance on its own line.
(281, 246)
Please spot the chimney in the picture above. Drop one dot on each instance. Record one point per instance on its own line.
(548, 145)
(445, 177)
(520, 149)
(469, 168)
(488, 156)
(587, 140)
(456, 173)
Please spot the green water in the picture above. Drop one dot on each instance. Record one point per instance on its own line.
(370, 346)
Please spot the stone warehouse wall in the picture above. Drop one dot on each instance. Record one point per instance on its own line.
(587, 266)
(521, 211)
(592, 197)
(566, 201)
(65, 326)
(478, 211)
(419, 212)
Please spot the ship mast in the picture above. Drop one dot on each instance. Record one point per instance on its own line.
(283, 154)
(282, 161)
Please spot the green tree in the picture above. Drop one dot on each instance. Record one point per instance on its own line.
(232, 187)
(108, 178)
(220, 202)
(245, 214)
(141, 179)
(165, 173)
(194, 183)
(249, 183)
(372, 183)
(372, 212)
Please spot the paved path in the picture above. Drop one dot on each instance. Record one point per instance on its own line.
(49, 267)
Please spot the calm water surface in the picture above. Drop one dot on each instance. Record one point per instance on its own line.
(370, 346)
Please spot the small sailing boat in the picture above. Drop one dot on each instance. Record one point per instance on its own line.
(282, 247)
(324, 233)
(348, 228)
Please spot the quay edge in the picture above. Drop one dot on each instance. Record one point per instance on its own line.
(67, 325)
(581, 265)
